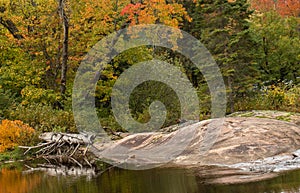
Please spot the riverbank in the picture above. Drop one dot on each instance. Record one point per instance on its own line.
(246, 148)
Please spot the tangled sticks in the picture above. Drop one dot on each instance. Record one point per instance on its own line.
(63, 148)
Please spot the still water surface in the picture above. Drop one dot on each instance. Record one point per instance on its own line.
(13, 180)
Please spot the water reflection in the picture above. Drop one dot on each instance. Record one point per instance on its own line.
(125, 181)
(122, 181)
(12, 181)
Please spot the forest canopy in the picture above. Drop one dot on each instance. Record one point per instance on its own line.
(255, 43)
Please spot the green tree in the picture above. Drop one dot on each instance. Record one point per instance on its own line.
(223, 27)
(278, 48)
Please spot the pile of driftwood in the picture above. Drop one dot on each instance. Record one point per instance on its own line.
(64, 148)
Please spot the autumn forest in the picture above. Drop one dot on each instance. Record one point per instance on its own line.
(255, 43)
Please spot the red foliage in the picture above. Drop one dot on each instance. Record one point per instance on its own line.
(131, 8)
(283, 7)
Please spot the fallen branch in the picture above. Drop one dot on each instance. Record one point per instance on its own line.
(34, 147)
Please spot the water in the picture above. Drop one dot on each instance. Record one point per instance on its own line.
(14, 180)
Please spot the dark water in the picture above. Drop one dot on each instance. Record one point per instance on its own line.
(13, 180)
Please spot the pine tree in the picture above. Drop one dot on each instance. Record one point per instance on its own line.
(223, 27)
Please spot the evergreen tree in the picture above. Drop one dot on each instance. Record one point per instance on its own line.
(223, 27)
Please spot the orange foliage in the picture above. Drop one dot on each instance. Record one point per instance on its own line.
(14, 133)
(155, 11)
(283, 7)
(12, 181)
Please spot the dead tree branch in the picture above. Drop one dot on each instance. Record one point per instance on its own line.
(63, 147)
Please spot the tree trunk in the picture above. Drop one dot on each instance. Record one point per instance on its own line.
(64, 64)
(11, 27)
(231, 95)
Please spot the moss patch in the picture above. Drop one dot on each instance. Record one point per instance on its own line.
(278, 115)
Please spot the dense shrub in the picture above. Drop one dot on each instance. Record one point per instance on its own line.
(6, 101)
(31, 95)
(44, 118)
(14, 133)
(274, 97)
